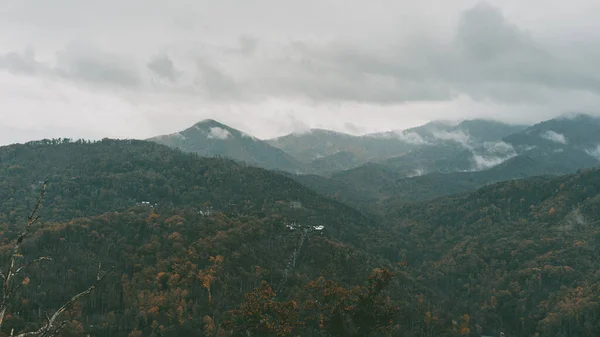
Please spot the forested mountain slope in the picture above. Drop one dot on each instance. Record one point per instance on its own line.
(188, 236)
(518, 257)
(93, 178)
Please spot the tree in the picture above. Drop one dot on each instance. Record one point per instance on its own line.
(358, 311)
(263, 315)
(13, 279)
(208, 276)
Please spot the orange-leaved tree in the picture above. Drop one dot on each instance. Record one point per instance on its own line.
(356, 311)
(262, 315)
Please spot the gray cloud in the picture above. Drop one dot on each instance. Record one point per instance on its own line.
(487, 58)
(214, 82)
(485, 34)
(248, 45)
(164, 67)
(23, 62)
(85, 63)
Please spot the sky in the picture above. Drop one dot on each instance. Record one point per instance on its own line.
(140, 68)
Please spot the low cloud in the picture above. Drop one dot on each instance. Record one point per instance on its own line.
(571, 116)
(459, 137)
(416, 173)
(554, 136)
(578, 217)
(411, 137)
(595, 152)
(492, 154)
(218, 133)
(499, 147)
(483, 162)
(353, 129)
(245, 135)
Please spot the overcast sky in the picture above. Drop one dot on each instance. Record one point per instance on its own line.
(139, 68)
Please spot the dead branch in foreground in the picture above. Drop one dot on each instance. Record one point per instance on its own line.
(10, 286)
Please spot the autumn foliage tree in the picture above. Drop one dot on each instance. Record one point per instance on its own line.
(356, 311)
(325, 309)
(207, 277)
(262, 315)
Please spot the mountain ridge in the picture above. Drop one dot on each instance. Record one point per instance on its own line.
(211, 138)
(443, 147)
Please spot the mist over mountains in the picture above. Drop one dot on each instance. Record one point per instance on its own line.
(436, 159)
(436, 147)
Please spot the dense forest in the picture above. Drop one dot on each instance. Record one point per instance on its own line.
(210, 247)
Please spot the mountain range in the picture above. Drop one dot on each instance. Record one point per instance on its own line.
(324, 151)
(437, 159)
(436, 147)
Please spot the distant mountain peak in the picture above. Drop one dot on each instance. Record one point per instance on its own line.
(207, 123)
(212, 138)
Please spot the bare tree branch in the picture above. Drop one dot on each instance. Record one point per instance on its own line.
(49, 329)
(8, 289)
(32, 218)
(78, 296)
(39, 259)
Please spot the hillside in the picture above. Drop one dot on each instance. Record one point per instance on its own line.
(564, 144)
(374, 187)
(158, 216)
(210, 138)
(93, 178)
(162, 256)
(326, 149)
(520, 255)
(517, 257)
(189, 236)
(569, 131)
